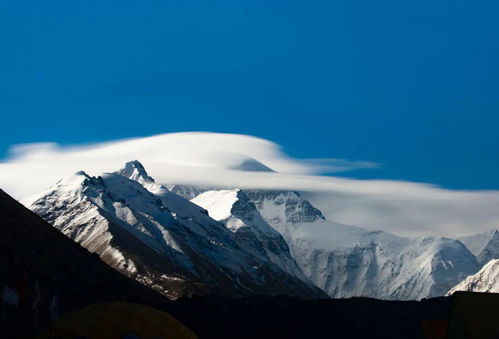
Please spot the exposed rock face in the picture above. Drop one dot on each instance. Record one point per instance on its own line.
(350, 261)
(159, 238)
(255, 235)
(289, 208)
(246, 242)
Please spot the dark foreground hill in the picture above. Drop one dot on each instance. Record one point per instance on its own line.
(33, 253)
(35, 256)
(285, 317)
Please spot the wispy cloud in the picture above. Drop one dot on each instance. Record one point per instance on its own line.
(333, 165)
(220, 159)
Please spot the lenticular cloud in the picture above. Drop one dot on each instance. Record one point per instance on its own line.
(230, 160)
(205, 158)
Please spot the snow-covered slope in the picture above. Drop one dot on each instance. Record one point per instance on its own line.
(230, 207)
(179, 206)
(239, 214)
(350, 261)
(485, 246)
(246, 242)
(485, 280)
(186, 191)
(158, 237)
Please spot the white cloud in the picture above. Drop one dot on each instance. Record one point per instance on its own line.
(213, 159)
(334, 165)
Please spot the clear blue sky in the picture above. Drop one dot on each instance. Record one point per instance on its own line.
(413, 85)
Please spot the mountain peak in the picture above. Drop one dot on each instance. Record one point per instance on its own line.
(78, 179)
(135, 170)
(82, 173)
(485, 246)
(287, 207)
(251, 165)
(175, 251)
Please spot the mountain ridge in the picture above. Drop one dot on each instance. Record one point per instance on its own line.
(242, 238)
(350, 261)
(177, 249)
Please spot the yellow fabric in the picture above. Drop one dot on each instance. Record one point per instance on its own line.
(116, 320)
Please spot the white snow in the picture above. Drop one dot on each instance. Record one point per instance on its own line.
(351, 261)
(240, 215)
(235, 230)
(348, 260)
(485, 246)
(105, 213)
(476, 243)
(485, 280)
(217, 203)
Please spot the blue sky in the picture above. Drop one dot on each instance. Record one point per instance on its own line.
(411, 85)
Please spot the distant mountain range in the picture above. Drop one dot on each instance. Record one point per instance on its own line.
(163, 240)
(182, 240)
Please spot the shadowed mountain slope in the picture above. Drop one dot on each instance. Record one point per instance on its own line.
(161, 239)
(32, 251)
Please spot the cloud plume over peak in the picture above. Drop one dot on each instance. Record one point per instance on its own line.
(231, 160)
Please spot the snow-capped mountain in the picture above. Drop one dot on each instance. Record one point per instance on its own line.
(159, 238)
(246, 242)
(485, 280)
(350, 261)
(232, 208)
(239, 214)
(485, 246)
